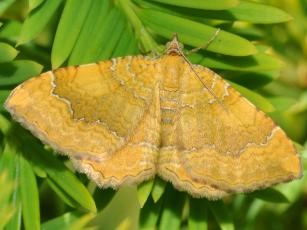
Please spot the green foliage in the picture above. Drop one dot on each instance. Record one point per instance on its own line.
(39, 189)
(6, 208)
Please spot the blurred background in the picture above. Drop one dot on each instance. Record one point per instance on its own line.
(263, 55)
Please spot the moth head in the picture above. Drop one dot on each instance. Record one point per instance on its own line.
(174, 47)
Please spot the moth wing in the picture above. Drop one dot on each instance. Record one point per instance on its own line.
(104, 116)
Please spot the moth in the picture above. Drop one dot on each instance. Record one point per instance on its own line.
(125, 120)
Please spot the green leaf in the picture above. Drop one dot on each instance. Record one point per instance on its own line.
(29, 195)
(5, 125)
(198, 214)
(301, 105)
(9, 162)
(158, 189)
(62, 194)
(196, 34)
(255, 13)
(68, 30)
(270, 195)
(5, 4)
(147, 43)
(37, 20)
(126, 45)
(11, 30)
(256, 62)
(62, 221)
(282, 103)
(37, 168)
(71, 220)
(18, 71)
(149, 214)
(81, 222)
(250, 33)
(69, 183)
(221, 215)
(114, 37)
(172, 209)
(40, 172)
(3, 95)
(94, 22)
(244, 11)
(200, 4)
(103, 197)
(15, 221)
(144, 190)
(260, 101)
(7, 52)
(94, 50)
(34, 3)
(252, 80)
(62, 177)
(6, 209)
(102, 44)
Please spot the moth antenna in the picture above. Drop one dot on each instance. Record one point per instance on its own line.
(206, 45)
(180, 52)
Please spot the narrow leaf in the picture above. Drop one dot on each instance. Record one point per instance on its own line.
(259, 101)
(34, 3)
(15, 221)
(69, 183)
(244, 11)
(144, 190)
(198, 214)
(114, 36)
(256, 13)
(172, 210)
(62, 194)
(56, 171)
(256, 62)
(37, 20)
(221, 215)
(68, 30)
(103, 197)
(9, 161)
(29, 195)
(301, 105)
(5, 4)
(6, 208)
(40, 172)
(158, 189)
(149, 214)
(252, 80)
(8, 158)
(270, 195)
(282, 103)
(146, 41)
(62, 177)
(196, 34)
(5, 125)
(200, 4)
(10, 29)
(126, 44)
(101, 40)
(7, 52)
(61, 222)
(81, 222)
(18, 71)
(94, 22)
